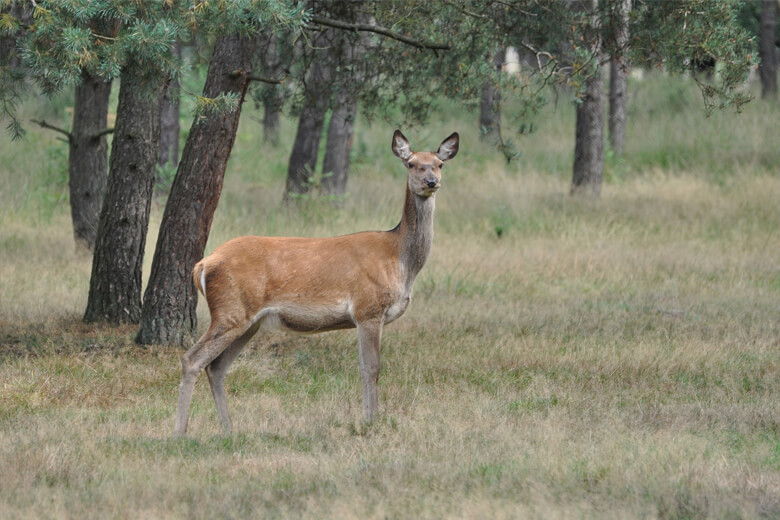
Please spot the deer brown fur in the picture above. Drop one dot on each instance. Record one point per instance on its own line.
(309, 285)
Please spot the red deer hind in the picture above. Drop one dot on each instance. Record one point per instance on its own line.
(309, 285)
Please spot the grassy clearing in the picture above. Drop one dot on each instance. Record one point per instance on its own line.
(598, 359)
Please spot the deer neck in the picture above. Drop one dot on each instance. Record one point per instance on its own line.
(415, 234)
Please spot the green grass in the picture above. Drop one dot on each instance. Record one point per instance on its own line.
(595, 359)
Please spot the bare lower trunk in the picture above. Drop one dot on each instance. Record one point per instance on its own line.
(272, 95)
(170, 299)
(490, 105)
(767, 50)
(303, 159)
(115, 284)
(589, 142)
(88, 158)
(617, 105)
(169, 122)
(618, 72)
(272, 110)
(335, 167)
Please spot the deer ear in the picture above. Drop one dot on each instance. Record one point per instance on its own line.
(448, 148)
(401, 146)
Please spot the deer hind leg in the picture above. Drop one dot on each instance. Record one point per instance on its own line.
(369, 339)
(216, 371)
(213, 343)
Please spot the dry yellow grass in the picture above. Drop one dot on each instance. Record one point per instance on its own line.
(600, 359)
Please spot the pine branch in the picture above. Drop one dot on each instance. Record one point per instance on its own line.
(379, 30)
(44, 124)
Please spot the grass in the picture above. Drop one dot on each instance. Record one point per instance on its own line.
(593, 359)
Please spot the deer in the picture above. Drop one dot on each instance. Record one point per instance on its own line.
(310, 285)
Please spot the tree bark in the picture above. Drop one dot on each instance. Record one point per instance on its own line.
(617, 104)
(335, 166)
(88, 158)
(618, 72)
(272, 95)
(9, 56)
(170, 299)
(588, 168)
(303, 159)
(169, 122)
(272, 109)
(767, 51)
(490, 105)
(589, 142)
(115, 283)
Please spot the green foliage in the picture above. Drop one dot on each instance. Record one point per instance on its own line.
(106, 38)
(685, 35)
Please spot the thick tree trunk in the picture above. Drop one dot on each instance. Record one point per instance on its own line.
(589, 142)
(618, 72)
(335, 166)
(303, 159)
(490, 105)
(170, 299)
(115, 284)
(169, 122)
(88, 158)
(767, 51)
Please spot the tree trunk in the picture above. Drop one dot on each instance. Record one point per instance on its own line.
(272, 109)
(766, 50)
(271, 95)
(589, 143)
(169, 122)
(490, 105)
(618, 72)
(617, 104)
(115, 284)
(303, 159)
(88, 158)
(170, 299)
(335, 166)
(9, 55)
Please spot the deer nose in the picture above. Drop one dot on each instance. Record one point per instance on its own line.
(431, 183)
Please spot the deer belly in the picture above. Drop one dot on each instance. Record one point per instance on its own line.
(307, 319)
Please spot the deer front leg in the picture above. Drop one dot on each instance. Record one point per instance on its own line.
(369, 338)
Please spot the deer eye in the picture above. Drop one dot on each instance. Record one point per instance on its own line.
(411, 165)
(441, 166)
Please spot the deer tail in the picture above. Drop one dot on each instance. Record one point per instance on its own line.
(199, 276)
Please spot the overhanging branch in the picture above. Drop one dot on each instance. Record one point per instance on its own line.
(379, 30)
(44, 124)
